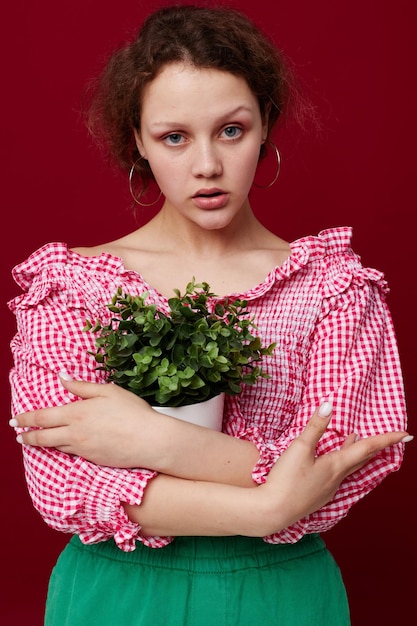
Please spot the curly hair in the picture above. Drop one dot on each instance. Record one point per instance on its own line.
(220, 38)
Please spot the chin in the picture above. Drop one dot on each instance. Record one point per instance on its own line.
(215, 220)
(214, 224)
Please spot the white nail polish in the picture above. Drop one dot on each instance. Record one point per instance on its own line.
(407, 438)
(65, 376)
(325, 409)
(13, 423)
(19, 439)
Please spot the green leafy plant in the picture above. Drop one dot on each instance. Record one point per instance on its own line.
(186, 357)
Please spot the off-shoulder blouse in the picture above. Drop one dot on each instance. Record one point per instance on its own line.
(335, 341)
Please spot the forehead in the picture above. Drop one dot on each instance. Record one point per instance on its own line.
(180, 87)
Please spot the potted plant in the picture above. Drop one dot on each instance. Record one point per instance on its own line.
(193, 354)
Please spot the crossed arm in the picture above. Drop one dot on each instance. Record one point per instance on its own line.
(204, 485)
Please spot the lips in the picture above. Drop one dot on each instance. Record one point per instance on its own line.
(210, 198)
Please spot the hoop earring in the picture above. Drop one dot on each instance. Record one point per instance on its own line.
(131, 172)
(278, 158)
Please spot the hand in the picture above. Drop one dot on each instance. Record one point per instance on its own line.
(108, 426)
(297, 485)
(301, 483)
(116, 428)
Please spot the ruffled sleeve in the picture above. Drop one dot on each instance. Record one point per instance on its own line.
(60, 291)
(353, 362)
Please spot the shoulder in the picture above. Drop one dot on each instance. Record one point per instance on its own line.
(54, 270)
(50, 253)
(331, 258)
(328, 243)
(56, 257)
(120, 250)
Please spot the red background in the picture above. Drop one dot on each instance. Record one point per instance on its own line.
(357, 61)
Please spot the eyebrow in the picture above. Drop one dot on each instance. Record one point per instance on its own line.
(240, 109)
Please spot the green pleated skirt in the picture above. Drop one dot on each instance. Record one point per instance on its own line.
(198, 581)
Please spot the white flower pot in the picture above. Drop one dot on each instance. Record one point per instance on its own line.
(208, 413)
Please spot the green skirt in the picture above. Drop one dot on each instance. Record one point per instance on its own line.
(198, 581)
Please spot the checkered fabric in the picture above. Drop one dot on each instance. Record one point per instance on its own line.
(335, 341)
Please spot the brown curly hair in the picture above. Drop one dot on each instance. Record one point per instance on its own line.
(220, 38)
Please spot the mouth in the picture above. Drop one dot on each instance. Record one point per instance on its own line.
(209, 193)
(210, 198)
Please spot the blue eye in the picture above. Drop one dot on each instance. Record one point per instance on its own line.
(174, 138)
(232, 132)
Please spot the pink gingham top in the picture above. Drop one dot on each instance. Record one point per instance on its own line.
(335, 341)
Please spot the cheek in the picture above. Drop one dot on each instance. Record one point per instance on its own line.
(168, 178)
(165, 169)
(245, 167)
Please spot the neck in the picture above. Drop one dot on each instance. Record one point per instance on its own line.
(175, 231)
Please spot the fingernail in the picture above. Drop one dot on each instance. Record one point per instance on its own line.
(65, 376)
(325, 409)
(13, 423)
(407, 438)
(357, 437)
(19, 439)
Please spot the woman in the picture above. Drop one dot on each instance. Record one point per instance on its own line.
(191, 104)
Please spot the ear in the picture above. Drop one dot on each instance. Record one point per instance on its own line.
(265, 123)
(139, 143)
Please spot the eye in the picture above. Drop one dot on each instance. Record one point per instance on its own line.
(174, 139)
(232, 132)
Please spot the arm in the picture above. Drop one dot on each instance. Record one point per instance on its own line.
(298, 484)
(353, 362)
(180, 506)
(72, 494)
(116, 428)
(86, 493)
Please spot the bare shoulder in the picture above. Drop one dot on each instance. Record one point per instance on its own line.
(272, 246)
(89, 252)
(117, 247)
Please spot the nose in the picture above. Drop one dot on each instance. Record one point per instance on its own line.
(206, 160)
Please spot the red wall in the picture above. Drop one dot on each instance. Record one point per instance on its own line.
(357, 60)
